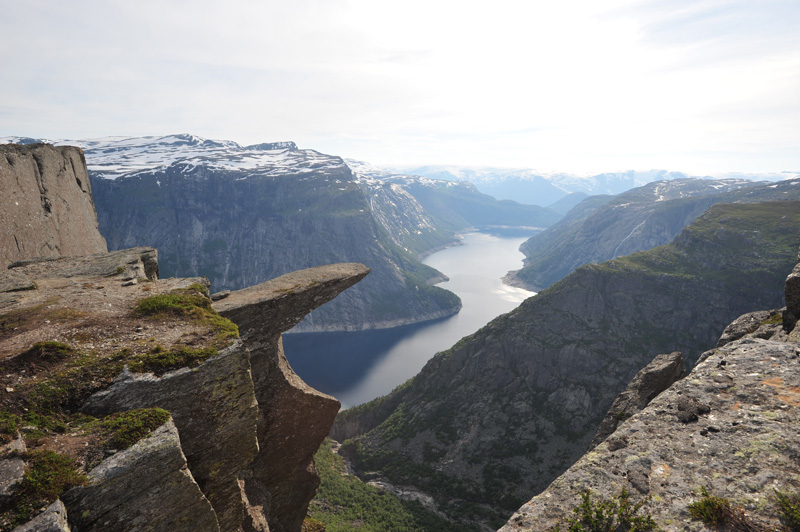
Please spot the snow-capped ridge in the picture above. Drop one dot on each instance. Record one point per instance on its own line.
(118, 156)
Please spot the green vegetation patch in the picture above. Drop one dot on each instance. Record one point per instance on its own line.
(774, 319)
(711, 510)
(789, 510)
(9, 426)
(160, 361)
(719, 513)
(68, 389)
(48, 474)
(121, 430)
(345, 503)
(615, 514)
(190, 303)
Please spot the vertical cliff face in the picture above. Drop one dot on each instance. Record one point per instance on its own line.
(46, 208)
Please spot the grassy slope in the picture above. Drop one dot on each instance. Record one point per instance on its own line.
(344, 503)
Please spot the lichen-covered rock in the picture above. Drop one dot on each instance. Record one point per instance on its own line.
(792, 314)
(52, 519)
(12, 468)
(215, 410)
(145, 487)
(134, 263)
(742, 326)
(651, 380)
(46, 208)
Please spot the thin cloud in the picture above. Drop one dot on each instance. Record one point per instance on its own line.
(697, 86)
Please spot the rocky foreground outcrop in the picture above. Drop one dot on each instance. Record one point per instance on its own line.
(233, 445)
(46, 207)
(730, 428)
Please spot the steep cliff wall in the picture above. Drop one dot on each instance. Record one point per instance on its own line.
(730, 428)
(46, 207)
(506, 410)
(97, 339)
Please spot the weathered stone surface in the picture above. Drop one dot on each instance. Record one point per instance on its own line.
(215, 410)
(651, 380)
(52, 519)
(293, 417)
(220, 483)
(46, 208)
(133, 263)
(743, 325)
(145, 487)
(12, 467)
(279, 304)
(14, 282)
(792, 314)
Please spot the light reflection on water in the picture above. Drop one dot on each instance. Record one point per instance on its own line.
(356, 367)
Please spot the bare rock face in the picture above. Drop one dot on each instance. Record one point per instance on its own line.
(52, 519)
(792, 313)
(293, 417)
(651, 380)
(129, 490)
(46, 208)
(215, 411)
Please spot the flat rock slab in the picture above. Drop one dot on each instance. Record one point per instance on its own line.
(279, 304)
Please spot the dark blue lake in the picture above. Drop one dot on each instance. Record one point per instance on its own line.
(356, 367)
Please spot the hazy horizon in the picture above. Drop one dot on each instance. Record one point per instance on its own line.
(701, 87)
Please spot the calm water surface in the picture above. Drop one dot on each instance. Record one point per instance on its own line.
(356, 367)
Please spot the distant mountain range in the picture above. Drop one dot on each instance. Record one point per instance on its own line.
(546, 188)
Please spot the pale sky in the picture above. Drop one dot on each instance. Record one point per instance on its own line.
(577, 86)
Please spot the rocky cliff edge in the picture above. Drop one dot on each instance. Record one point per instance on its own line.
(728, 429)
(129, 403)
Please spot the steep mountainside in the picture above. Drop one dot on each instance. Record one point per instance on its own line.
(730, 428)
(457, 205)
(639, 219)
(46, 207)
(502, 413)
(241, 215)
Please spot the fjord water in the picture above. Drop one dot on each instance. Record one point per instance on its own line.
(356, 367)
